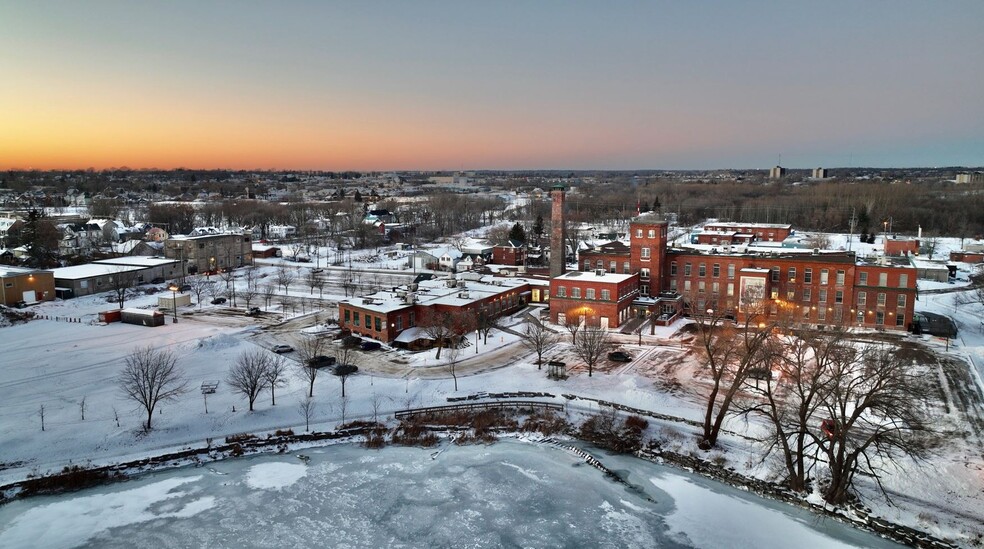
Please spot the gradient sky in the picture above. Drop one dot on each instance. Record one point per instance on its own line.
(373, 85)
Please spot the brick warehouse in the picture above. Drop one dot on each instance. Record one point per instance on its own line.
(813, 286)
(394, 315)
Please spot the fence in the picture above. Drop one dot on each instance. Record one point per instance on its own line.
(479, 406)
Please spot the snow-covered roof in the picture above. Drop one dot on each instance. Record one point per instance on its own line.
(90, 270)
(591, 276)
(8, 270)
(411, 334)
(138, 261)
(438, 291)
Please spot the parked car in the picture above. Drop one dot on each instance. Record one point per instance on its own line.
(370, 346)
(185, 287)
(619, 356)
(252, 311)
(218, 301)
(351, 341)
(281, 349)
(158, 280)
(344, 369)
(321, 361)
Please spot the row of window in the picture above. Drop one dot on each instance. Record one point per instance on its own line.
(791, 274)
(881, 299)
(651, 233)
(612, 266)
(376, 323)
(589, 293)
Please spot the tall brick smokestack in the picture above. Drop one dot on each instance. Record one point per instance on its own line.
(558, 233)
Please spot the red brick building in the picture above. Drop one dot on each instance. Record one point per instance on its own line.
(511, 253)
(613, 257)
(967, 257)
(763, 232)
(901, 246)
(723, 238)
(647, 247)
(387, 315)
(812, 287)
(601, 298)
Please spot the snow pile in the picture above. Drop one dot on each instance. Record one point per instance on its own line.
(218, 342)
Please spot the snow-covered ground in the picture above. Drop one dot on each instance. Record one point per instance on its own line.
(56, 364)
(511, 494)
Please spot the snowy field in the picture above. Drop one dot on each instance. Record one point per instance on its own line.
(511, 494)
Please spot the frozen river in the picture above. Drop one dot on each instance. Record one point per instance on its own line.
(511, 494)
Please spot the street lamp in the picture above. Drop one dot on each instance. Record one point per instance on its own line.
(174, 302)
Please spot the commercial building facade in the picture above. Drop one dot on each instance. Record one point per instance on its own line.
(812, 287)
(27, 285)
(211, 252)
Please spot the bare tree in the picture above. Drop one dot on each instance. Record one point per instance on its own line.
(451, 358)
(229, 278)
(818, 240)
(285, 277)
(375, 403)
(537, 338)
(151, 377)
(977, 285)
(199, 286)
(308, 347)
(790, 391)
(121, 282)
(268, 290)
(573, 322)
(311, 278)
(348, 364)
(319, 284)
(728, 354)
(306, 410)
(443, 327)
(249, 374)
(486, 321)
(875, 408)
(275, 376)
(248, 295)
(593, 344)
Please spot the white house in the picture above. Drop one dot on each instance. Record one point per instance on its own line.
(282, 231)
(449, 259)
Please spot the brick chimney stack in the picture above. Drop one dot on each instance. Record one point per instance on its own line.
(558, 255)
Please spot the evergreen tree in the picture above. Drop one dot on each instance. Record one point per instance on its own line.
(538, 227)
(517, 233)
(40, 237)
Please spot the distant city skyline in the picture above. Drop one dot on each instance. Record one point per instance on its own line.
(442, 85)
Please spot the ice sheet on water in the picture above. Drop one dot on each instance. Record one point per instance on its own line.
(736, 522)
(471, 496)
(72, 522)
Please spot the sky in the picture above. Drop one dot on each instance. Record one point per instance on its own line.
(470, 85)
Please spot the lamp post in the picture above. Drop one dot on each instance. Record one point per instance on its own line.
(174, 304)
